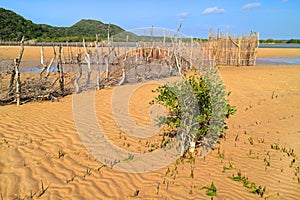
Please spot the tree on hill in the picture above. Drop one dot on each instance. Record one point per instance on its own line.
(14, 26)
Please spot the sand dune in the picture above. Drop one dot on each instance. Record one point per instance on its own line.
(39, 145)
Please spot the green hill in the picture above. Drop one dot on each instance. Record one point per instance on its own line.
(14, 26)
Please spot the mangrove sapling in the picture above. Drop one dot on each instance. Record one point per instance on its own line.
(191, 189)
(258, 190)
(136, 192)
(168, 171)
(275, 146)
(236, 137)
(297, 170)
(250, 139)
(167, 184)
(210, 190)
(99, 168)
(267, 163)
(88, 172)
(230, 167)
(261, 140)
(192, 171)
(292, 162)
(60, 154)
(237, 178)
(129, 158)
(32, 194)
(71, 179)
(252, 188)
(221, 155)
(157, 187)
(43, 190)
(195, 112)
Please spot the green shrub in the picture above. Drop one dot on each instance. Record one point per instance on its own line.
(197, 109)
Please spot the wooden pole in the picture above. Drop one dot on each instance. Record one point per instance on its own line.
(88, 60)
(98, 63)
(47, 67)
(79, 73)
(17, 62)
(60, 71)
(108, 30)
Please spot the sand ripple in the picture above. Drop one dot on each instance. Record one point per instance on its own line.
(39, 145)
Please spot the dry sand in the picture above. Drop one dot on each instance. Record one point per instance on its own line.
(34, 53)
(268, 104)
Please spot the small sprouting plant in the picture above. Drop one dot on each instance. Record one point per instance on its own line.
(99, 168)
(275, 146)
(191, 190)
(210, 190)
(136, 193)
(231, 166)
(252, 188)
(261, 140)
(292, 162)
(43, 189)
(237, 178)
(250, 139)
(71, 179)
(192, 171)
(88, 172)
(129, 158)
(258, 190)
(60, 154)
(157, 187)
(221, 155)
(267, 163)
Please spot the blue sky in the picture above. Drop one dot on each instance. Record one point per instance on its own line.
(277, 19)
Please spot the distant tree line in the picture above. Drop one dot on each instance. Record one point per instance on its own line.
(270, 41)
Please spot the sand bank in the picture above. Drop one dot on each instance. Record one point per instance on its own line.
(39, 144)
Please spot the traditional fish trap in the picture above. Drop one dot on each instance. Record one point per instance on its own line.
(97, 65)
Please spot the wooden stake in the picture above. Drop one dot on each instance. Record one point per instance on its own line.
(60, 71)
(17, 62)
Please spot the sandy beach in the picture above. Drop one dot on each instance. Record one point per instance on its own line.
(43, 157)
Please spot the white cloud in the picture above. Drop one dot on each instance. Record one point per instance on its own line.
(251, 5)
(213, 10)
(182, 16)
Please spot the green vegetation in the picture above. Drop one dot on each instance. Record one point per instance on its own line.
(252, 188)
(230, 167)
(60, 154)
(178, 100)
(14, 26)
(210, 190)
(273, 41)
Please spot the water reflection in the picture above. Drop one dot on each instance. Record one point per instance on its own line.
(284, 60)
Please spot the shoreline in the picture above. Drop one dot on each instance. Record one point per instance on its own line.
(33, 52)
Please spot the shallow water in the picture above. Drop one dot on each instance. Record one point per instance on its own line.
(279, 45)
(284, 60)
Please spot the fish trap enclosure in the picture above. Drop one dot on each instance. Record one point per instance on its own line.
(129, 57)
